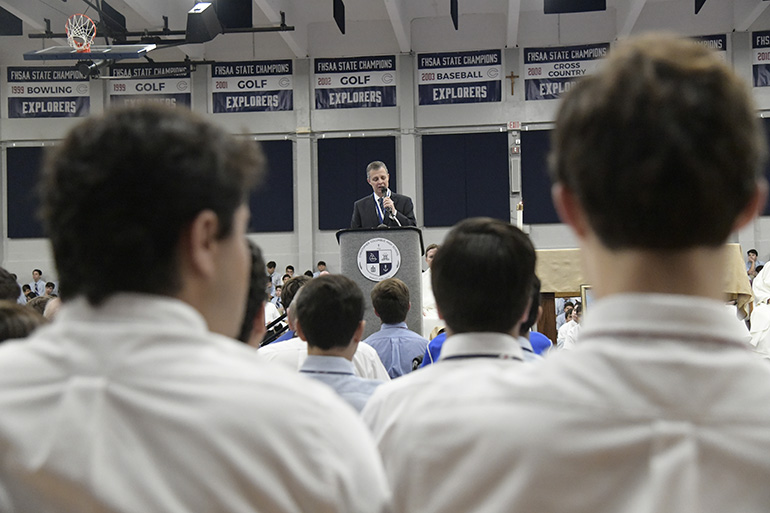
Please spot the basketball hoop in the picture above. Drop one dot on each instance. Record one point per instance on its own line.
(81, 31)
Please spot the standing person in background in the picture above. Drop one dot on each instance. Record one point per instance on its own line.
(37, 285)
(383, 206)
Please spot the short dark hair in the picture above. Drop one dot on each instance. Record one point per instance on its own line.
(290, 289)
(289, 267)
(9, 289)
(494, 248)
(321, 262)
(271, 264)
(257, 291)
(18, 321)
(120, 190)
(534, 308)
(431, 246)
(635, 143)
(329, 310)
(752, 251)
(50, 284)
(38, 271)
(390, 299)
(308, 273)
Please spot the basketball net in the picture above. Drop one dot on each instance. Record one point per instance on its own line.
(81, 31)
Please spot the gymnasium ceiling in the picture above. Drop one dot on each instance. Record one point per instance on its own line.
(401, 26)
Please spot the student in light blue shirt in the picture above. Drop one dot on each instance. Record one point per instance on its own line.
(401, 350)
(330, 318)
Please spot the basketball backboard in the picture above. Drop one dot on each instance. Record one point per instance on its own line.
(98, 52)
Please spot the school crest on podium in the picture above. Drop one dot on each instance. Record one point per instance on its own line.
(379, 259)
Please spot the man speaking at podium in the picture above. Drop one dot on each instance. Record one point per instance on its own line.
(383, 207)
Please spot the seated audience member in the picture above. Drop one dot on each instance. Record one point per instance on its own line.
(660, 407)
(288, 293)
(571, 338)
(9, 289)
(28, 293)
(274, 277)
(760, 315)
(430, 319)
(39, 303)
(18, 321)
(330, 313)
(49, 288)
(291, 353)
(561, 335)
(254, 326)
(285, 278)
(401, 350)
(276, 300)
(565, 316)
(320, 267)
(136, 398)
(308, 273)
(752, 264)
(446, 405)
(290, 271)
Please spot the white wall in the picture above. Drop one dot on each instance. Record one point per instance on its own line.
(407, 122)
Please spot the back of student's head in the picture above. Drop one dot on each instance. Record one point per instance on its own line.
(18, 321)
(390, 299)
(120, 190)
(329, 311)
(497, 250)
(534, 308)
(290, 289)
(257, 291)
(662, 147)
(9, 289)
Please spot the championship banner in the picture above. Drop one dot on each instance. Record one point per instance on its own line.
(760, 44)
(47, 92)
(355, 82)
(459, 77)
(152, 82)
(252, 86)
(550, 72)
(718, 43)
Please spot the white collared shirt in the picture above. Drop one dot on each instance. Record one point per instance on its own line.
(135, 406)
(660, 408)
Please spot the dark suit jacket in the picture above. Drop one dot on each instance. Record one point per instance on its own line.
(365, 212)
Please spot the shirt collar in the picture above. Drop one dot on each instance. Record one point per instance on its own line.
(499, 345)
(337, 364)
(661, 316)
(525, 344)
(392, 326)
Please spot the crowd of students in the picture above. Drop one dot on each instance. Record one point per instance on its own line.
(138, 398)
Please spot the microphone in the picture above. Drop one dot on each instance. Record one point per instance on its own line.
(383, 190)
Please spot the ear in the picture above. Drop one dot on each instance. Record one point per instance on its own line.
(410, 306)
(298, 331)
(359, 333)
(201, 243)
(753, 207)
(569, 209)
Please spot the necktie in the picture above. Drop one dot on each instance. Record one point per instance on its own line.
(382, 209)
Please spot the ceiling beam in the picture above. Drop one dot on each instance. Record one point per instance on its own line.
(295, 40)
(514, 12)
(401, 26)
(746, 13)
(627, 17)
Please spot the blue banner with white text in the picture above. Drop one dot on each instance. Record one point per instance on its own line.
(459, 77)
(252, 86)
(355, 82)
(550, 72)
(760, 69)
(47, 92)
